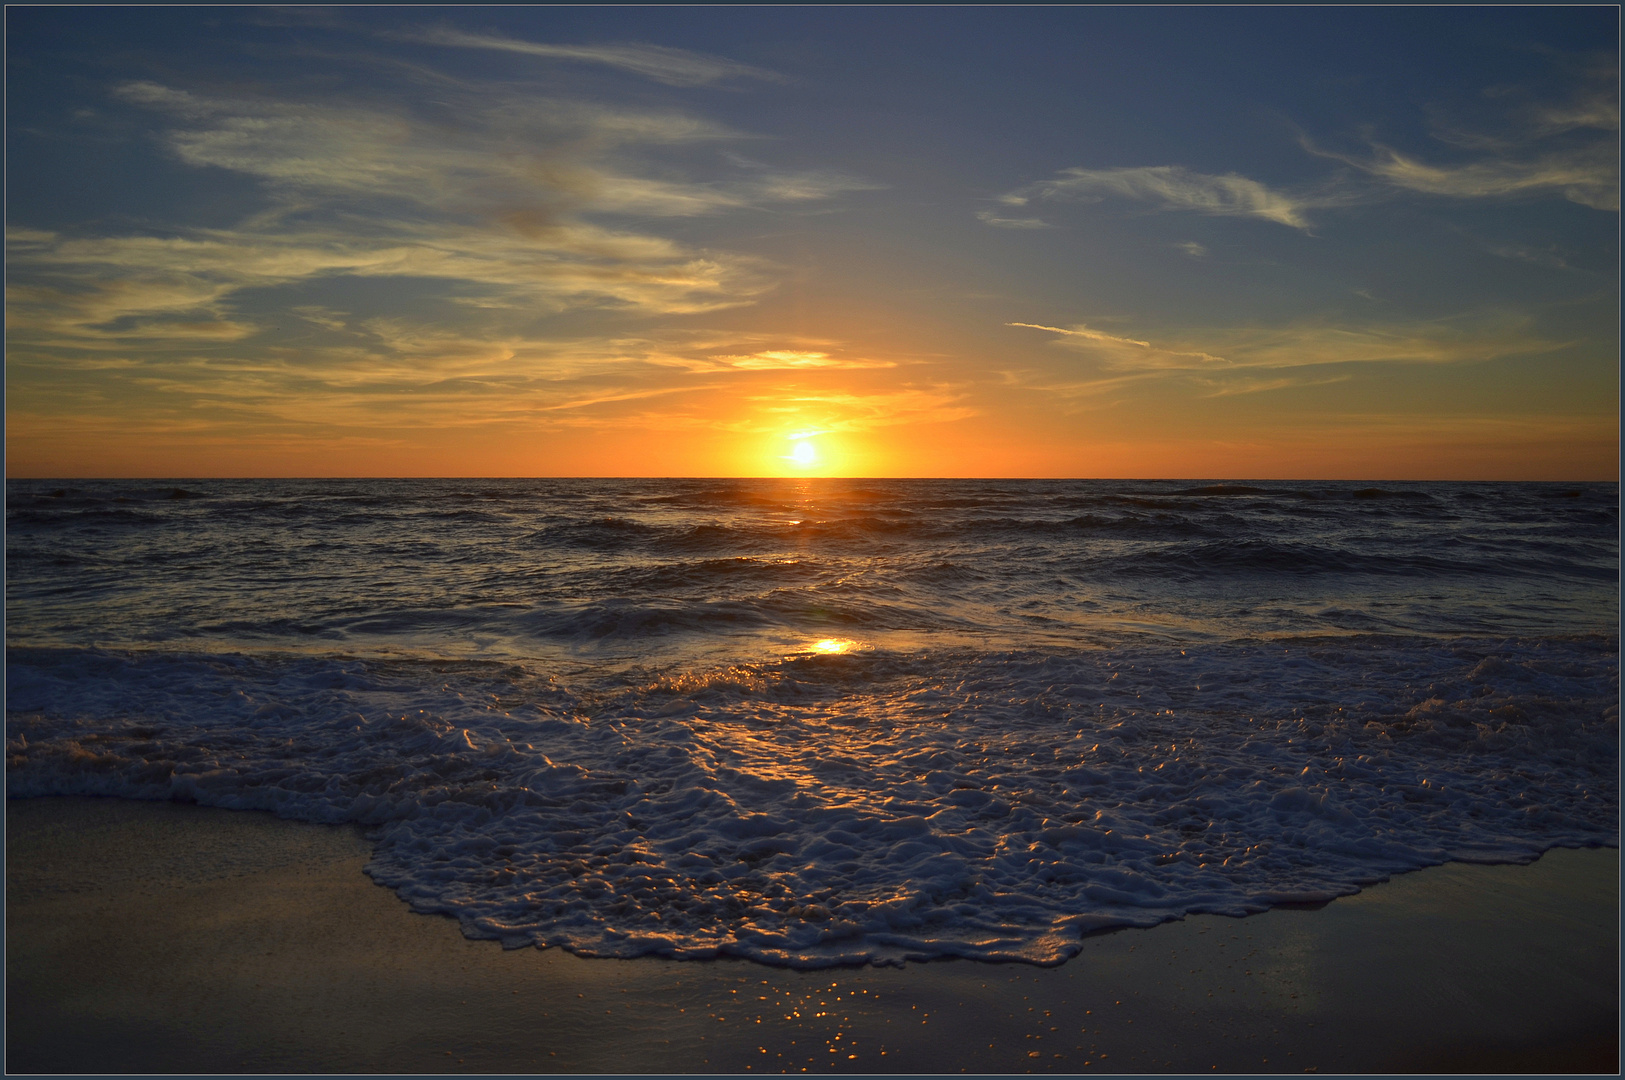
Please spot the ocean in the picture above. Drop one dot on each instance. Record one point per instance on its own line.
(816, 722)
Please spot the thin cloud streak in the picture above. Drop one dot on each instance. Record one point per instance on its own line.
(1125, 352)
(1247, 350)
(844, 411)
(1539, 149)
(674, 67)
(1261, 386)
(1464, 339)
(988, 217)
(1588, 176)
(1174, 188)
(795, 360)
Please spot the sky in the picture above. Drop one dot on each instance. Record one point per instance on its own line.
(1229, 242)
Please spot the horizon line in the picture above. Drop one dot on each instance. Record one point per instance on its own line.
(799, 479)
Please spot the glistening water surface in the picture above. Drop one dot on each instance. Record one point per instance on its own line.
(814, 722)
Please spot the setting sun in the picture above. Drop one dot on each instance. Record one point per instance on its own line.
(804, 453)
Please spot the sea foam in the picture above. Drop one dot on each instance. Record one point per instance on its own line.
(863, 806)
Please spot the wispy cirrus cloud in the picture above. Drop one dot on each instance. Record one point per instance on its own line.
(1124, 352)
(1242, 352)
(1568, 148)
(1171, 187)
(674, 67)
(1227, 362)
(764, 183)
(714, 352)
(795, 360)
(847, 411)
(1234, 387)
(988, 217)
(114, 292)
(1593, 109)
(1587, 175)
(1468, 338)
(478, 150)
(503, 206)
(497, 151)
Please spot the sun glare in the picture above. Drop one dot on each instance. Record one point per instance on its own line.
(810, 452)
(832, 646)
(803, 451)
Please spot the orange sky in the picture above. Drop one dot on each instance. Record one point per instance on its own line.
(284, 245)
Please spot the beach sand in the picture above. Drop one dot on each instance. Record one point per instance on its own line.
(158, 937)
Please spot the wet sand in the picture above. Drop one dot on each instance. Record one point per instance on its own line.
(157, 937)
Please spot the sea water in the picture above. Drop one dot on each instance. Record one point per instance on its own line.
(833, 721)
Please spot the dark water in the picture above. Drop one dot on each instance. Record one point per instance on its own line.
(823, 721)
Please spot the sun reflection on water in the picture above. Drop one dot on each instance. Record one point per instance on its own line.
(833, 646)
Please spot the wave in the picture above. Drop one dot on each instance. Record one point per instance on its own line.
(526, 566)
(867, 807)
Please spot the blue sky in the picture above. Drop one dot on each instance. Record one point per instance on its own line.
(1363, 242)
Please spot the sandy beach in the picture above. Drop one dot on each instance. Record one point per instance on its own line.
(159, 937)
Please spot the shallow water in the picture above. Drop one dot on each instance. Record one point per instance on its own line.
(835, 721)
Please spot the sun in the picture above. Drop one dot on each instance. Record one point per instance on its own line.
(808, 452)
(804, 453)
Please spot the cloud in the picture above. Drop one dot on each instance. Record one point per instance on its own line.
(713, 352)
(1597, 111)
(1173, 188)
(990, 218)
(805, 186)
(1544, 149)
(1568, 148)
(105, 292)
(771, 184)
(1253, 385)
(380, 373)
(1593, 103)
(1192, 248)
(1548, 256)
(1240, 353)
(795, 360)
(1122, 352)
(674, 67)
(498, 151)
(497, 196)
(843, 411)
(1469, 338)
(540, 156)
(1226, 362)
(1081, 331)
(1587, 175)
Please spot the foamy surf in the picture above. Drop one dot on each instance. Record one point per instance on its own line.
(860, 805)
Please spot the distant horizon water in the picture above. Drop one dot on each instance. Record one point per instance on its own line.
(834, 720)
(178, 478)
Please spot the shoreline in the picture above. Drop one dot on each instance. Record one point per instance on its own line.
(166, 937)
